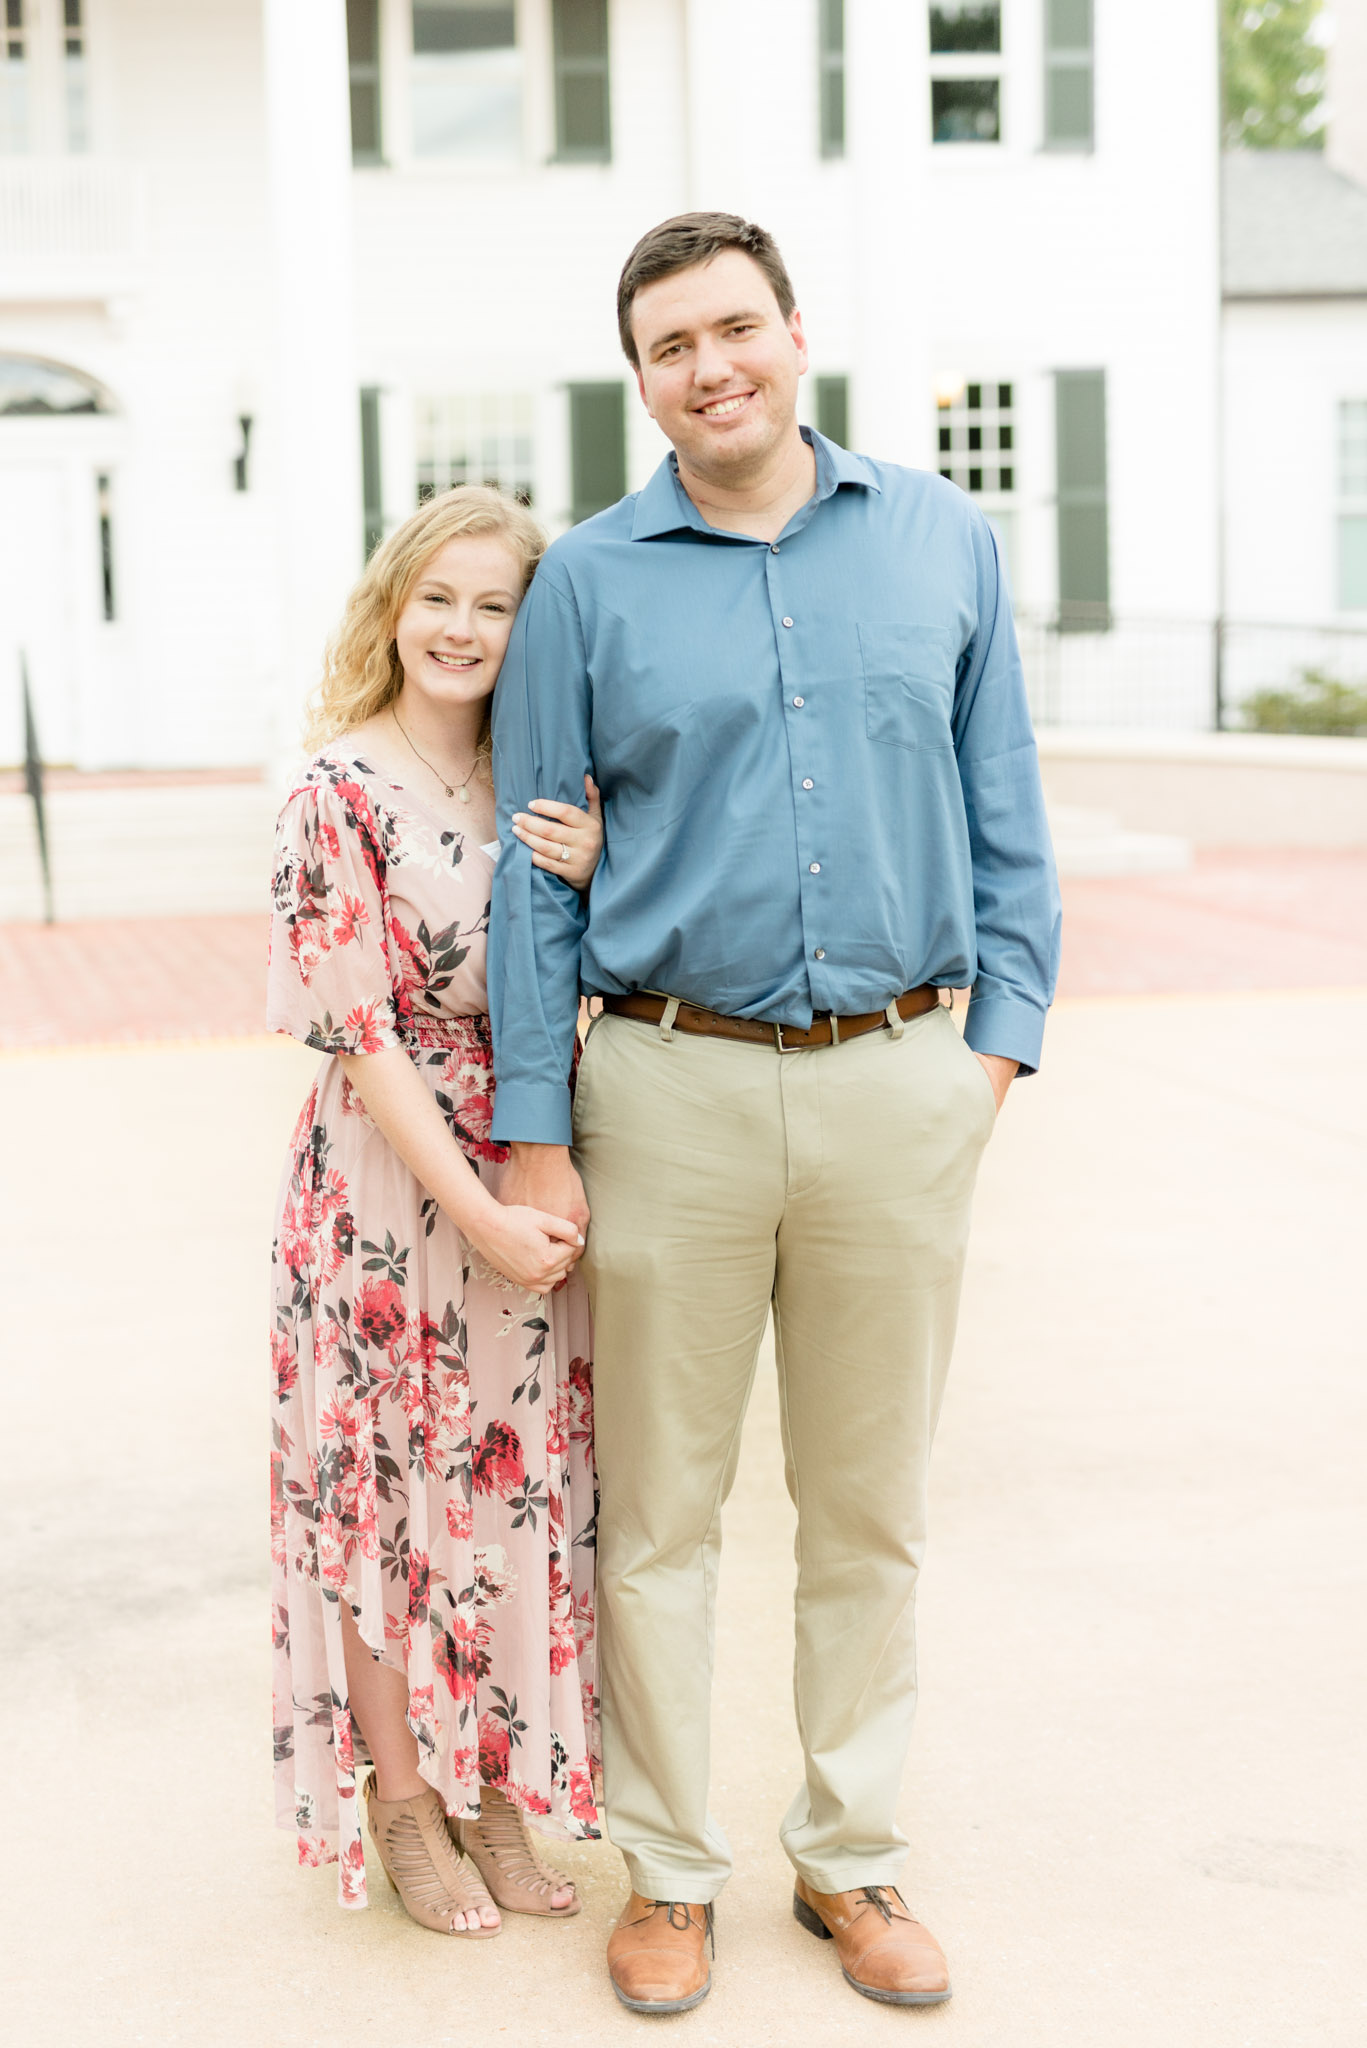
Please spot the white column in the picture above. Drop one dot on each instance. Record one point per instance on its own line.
(313, 422)
(887, 142)
(1347, 83)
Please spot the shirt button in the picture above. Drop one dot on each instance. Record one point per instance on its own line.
(820, 953)
(774, 549)
(787, 622)
(815, 868)
(799, 702)
(807, 782)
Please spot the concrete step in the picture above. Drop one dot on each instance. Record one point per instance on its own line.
(1088, 842)
(158, 851)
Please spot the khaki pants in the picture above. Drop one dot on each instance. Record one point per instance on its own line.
(838, 1182)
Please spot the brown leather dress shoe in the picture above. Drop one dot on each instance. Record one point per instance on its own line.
(884, 1950)
(655, 1955)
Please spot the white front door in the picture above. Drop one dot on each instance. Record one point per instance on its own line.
(42, 606)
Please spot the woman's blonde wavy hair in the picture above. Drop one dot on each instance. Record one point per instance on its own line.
(362, 672)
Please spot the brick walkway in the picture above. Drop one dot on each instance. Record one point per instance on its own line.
(1237, 920)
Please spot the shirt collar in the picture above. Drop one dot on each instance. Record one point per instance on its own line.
(664, 506)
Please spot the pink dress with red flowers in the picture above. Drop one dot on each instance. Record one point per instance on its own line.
(432, 1427)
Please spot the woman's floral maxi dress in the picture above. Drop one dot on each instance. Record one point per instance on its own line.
(433, 1450)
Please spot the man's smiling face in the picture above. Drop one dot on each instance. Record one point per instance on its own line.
(719, 366)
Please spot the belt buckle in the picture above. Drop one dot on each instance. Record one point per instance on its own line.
(830, 1017)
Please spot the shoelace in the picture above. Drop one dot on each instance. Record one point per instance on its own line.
(673, 1906)
(873, 1893)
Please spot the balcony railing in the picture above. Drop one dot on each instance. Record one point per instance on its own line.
(73, 225)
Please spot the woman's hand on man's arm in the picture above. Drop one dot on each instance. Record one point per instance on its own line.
(570, 841)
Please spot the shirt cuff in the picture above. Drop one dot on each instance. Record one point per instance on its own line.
(1005, 1029)
(532, 1113)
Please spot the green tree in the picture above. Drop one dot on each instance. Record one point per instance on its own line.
(1273, 74)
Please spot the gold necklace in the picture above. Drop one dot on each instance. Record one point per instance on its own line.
(460, 789)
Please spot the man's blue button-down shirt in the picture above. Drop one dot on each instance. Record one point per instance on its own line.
(819, 780)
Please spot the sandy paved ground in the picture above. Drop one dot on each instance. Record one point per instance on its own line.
(1136, 1792)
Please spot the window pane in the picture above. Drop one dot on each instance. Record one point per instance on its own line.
(1068, 24)
(1353, 561)
(468, 105)
(29, 385)
(1068, 103)
(966, 28)
(475, 441)
(13, 82)
(965, 110)
(444, 26)
(581, 28)
(1353, 448)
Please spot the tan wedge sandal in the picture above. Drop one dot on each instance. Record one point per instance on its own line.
(499, 1845)
(421, 1862)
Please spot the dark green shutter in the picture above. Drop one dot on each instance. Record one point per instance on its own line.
(372, 490)
(1068, 117)
(598, 447)
(831, 76)
(833, 409)
(583, 116)
(1084, 575)
(363, 59)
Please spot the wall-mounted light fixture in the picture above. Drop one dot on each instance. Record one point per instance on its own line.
(950, 386)
(244, 421)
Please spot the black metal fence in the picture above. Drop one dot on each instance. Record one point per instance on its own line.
(1185, 675)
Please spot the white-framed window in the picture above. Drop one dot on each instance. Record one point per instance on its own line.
(487, 439)
(966, 87)
(977, 448)
(44, 81)
(1352, 504)
(15, 67)
(466, 79)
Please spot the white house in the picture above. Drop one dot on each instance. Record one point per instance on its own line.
(270, 268)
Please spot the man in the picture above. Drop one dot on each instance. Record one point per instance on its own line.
(793, 673)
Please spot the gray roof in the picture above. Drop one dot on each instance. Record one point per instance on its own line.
(1293, 227)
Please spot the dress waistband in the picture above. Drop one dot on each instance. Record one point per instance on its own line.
(468, 1033)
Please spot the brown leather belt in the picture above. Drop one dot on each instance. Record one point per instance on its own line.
(825, 1029)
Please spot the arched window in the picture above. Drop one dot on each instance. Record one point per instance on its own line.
(30, 386)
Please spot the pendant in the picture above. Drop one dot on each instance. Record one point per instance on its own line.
(464, 794)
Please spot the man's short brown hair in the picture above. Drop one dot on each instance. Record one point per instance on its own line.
(691, 238)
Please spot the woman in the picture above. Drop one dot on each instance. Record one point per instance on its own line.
(433, 1481)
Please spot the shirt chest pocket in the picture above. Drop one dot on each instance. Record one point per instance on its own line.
(908, 685)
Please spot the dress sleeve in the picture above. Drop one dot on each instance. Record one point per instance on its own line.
(329, 981)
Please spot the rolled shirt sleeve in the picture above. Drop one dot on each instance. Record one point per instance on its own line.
(1015, 886)
(541, 748)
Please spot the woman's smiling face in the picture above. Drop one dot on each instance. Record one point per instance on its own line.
(452, 633)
